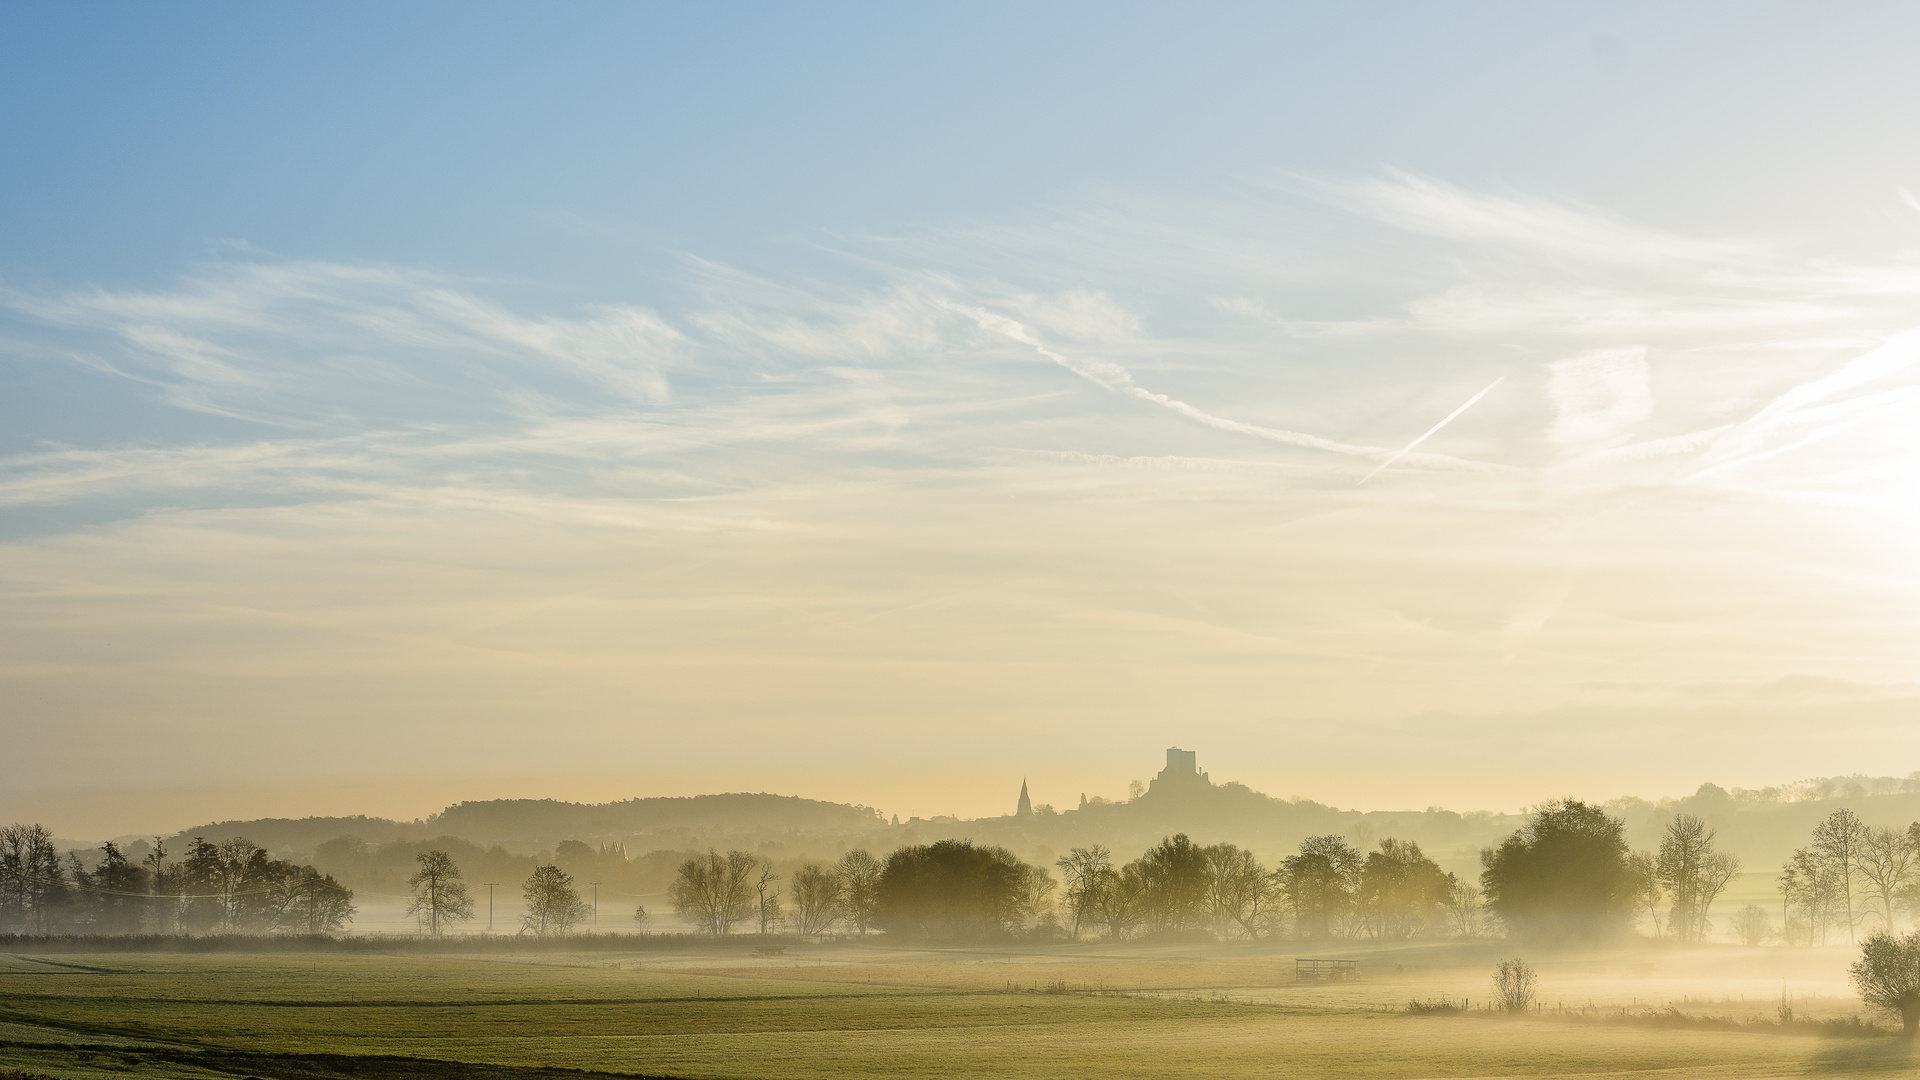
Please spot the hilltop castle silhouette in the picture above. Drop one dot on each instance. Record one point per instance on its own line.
(1181, 774)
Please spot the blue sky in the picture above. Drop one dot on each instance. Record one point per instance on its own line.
(1038, 375)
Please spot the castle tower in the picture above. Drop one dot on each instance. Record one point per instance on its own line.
(1181, 774)
(1026, 804)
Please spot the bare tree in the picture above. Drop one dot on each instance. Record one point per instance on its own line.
(715, 891)
(1810, 885)
(1887, 975)
(160, 880)
(769, 897)
(1837, 842)
(1693, 873)
(1751, 925)
(553, 905)
(31, 880)
(1086, 871)
(1513, 985)
(1036, 889)
(439, 897)
(816, 899)
(1885, 862)
(859, 876)
(1645, 872)
(1120, 900)
(1465, 913)
(1241, 891)
(230, 878)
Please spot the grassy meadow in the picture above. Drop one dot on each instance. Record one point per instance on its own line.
(866, 1010)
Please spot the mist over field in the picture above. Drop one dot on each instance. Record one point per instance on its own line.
(634, 846)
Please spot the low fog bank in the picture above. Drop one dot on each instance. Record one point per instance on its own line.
(624, 856)
(1763, 827)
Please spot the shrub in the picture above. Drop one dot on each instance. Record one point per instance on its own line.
(1513, 983)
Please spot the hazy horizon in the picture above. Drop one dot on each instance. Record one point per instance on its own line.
(1401, 408)
(228, 805)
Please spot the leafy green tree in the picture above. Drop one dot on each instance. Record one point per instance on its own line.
(438, 894)
(1887, 975)
(201, 873)
(1174, 877)
(1319, 883)
(1402, 892)
(117, 891)
(950, 891)
(1563, 875)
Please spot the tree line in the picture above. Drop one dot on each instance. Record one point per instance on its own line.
(955, 890)
(1849, 875)
(1567, 873)
(231, 887)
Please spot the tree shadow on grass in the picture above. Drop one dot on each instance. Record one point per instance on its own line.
(1864, 1055)
(255, 1065)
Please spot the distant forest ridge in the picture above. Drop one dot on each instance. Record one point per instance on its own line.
(1754, 821)
(525, 823)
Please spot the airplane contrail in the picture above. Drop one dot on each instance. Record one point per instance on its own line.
(1118, 379)
(1403, 450)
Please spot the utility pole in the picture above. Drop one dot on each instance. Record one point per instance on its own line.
(490, 886)
(161, 923)
(596, 907)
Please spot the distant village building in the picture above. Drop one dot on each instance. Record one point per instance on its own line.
(1026, 804)
(1181, 774)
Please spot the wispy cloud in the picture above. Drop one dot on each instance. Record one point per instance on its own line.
(1554, 227)
(986, 461)
(306, 345)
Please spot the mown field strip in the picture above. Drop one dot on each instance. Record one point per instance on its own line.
(718, 1017)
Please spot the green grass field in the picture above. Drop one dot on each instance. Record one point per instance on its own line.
(857, 1011)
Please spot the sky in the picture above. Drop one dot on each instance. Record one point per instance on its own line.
(1400, 405)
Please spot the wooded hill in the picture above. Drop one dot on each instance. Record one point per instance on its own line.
(1761, 827)
(529, 826)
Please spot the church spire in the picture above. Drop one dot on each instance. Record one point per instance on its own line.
(1026, 804)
